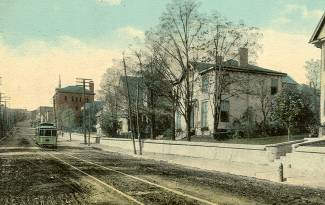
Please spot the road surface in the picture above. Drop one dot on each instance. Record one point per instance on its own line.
(31, 175)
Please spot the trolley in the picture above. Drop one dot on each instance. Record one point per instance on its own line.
(46, 135)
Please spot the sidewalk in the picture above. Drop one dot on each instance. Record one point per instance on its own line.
(266, 172)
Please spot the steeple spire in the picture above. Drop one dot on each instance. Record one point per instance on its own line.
(59, 81)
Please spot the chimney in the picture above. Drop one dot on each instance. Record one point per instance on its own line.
(243, 57)
(219, 59)
(91, 86)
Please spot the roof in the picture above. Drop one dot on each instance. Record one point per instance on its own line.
(74, 89)
(314, 38)
(133, 83)
(232, 65)
(289, 80)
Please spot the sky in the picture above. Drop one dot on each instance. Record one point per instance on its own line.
(42, 39)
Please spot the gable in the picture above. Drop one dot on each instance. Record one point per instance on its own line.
(322, 33)
(319, 33)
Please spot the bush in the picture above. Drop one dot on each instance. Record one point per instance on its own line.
(313, 129)
(276, 129)
(204, 129)
(168, 133)
(223, 134)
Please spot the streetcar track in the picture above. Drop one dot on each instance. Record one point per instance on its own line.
(98, 180)
(145, 181)
(64, 182)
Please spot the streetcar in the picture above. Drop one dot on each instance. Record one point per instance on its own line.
(46, 135)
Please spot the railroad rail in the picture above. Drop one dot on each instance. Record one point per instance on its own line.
(176, 192)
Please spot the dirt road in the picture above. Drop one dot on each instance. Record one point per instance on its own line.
(30, 175)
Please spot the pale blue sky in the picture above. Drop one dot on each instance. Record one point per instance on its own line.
(96, 20)
(40, 39)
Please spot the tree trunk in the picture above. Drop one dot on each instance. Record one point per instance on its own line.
(138, 126)
(187, 123)
(215, 122)
(217, 98)
(173, 137)
(152, 117)
(216, 117)
(289, 133)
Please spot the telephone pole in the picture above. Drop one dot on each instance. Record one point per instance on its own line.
(84, 82)
(5, 119)
(1, 118)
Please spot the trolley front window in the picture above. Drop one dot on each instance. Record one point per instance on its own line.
(47, 132)
(53, 132)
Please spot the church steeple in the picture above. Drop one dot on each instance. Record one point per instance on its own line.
(59, 81)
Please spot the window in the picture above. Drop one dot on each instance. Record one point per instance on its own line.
(224, 111)
(72, 98)
(205, 83)
(54, 133)
(274, 86)
(80, 99)
(76, 108)
(65, 98)
(178, 120)
(226, 83)
(87, 100)
(45, 132)
(204, 114)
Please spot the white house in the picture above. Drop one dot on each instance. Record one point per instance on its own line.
(318, 39)
(241, 95)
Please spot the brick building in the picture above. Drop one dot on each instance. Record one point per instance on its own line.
(42, 114)
(71, 97)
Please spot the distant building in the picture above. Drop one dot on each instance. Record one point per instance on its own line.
(42, 114)
(71, 97)
(318, 39)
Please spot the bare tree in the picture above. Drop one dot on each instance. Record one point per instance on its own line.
(312, 67)
(223, 41)
(67, 119)
(177, 36)
(265, 101)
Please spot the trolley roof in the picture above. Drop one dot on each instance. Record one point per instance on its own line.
(46, 125)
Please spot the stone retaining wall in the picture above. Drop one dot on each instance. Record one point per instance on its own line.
(307, 158)
(257, 154)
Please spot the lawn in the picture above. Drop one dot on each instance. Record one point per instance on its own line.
(256, 141)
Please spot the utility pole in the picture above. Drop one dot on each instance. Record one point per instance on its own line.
(89, 123)
(5, 119)
(129, 106)
(84, 82)
(1, 118)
